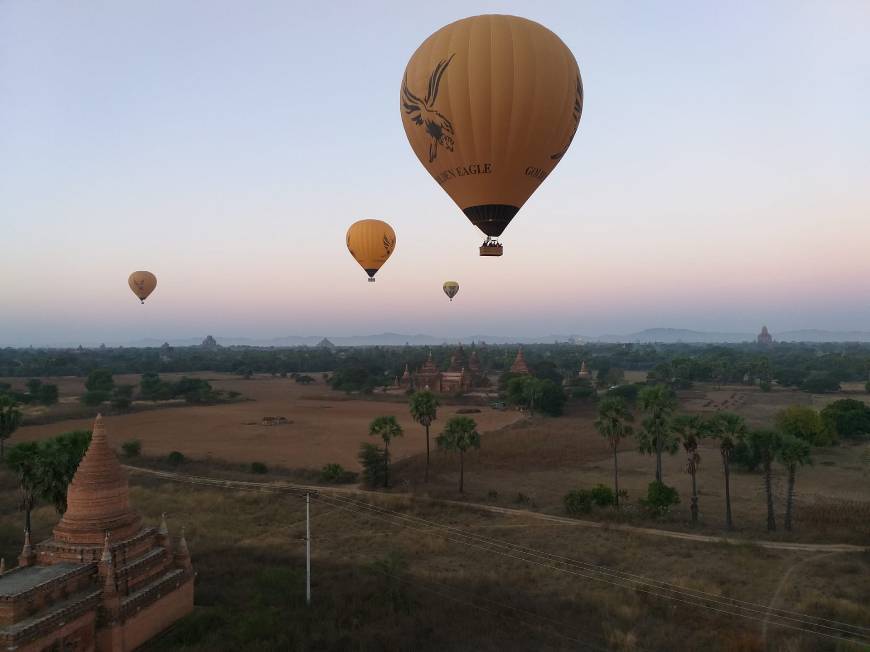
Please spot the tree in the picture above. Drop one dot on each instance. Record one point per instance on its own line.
(848, 418)
(424, 410)
(765, 443)
(23, 461)
(10, 419)
(151, 388)
(387, 428)
(821, 382)
(371, 459)
(655, 436)
(34, 388)
(100, 380)
(612, 424)
(533, 393)
(460, 434)
(691, 428)
(730, 431)
(122, 396)
(804, 423)
(48, 394)
(59, 459)
(791, 453)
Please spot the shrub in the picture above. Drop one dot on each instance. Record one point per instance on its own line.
(371, 458)
(259, 468)
(578, 501)
(48, 394)
(847, 417)
(122, 396)
(336, 474)
(602, 496)
(583, 391)
(100, 380)
(765, 385)
(132, 448)
(820, 382)
(628, 393)
(660, 498)
(95, 397)
(175, 458)
(805, 423)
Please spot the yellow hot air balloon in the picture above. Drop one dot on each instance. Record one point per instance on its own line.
(371, 242)
(451, 289)
(490, 105)
(142, 284)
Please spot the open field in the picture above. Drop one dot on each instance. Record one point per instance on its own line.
(380, 582)
(326, 426)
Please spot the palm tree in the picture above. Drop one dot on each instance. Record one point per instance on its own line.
(659, 402)
(424, 410)
(613, 415)
(460, 434)
(792, 452)
(388, 429)
(10, 419)
(730, 430)
(691, 428)
(24, 461)
(765, 443)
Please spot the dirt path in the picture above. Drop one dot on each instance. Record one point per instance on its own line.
(562, 520)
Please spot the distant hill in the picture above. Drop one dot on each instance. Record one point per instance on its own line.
(675, 335)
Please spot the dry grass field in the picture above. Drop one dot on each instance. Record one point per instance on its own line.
(325, 426)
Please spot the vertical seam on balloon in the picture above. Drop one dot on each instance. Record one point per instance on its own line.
(510, 150)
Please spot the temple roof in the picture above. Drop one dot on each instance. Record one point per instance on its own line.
(98, 498)
(519, 366)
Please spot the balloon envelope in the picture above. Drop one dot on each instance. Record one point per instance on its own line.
(490, 105)
(142, 284)
(451, 289)
(371, 243)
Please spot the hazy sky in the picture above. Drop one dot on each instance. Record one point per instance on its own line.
(720, 178)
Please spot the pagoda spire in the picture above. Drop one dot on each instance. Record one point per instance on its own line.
(27, 556)
(182, 554)
(519, 366)
(98, 498)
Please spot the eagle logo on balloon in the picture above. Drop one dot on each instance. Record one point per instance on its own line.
(578, 109)
(423, 112)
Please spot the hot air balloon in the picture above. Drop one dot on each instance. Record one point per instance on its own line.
(490, 105)
(451, 289)
(142, 284)
(371, 242)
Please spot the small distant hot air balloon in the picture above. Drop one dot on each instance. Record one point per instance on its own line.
(142, 284)
(490, 104)
(451, 289)
(371, 242)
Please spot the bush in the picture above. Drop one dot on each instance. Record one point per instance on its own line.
(581, 501)
(175, 458)
(627, 393)
(820, 382)
(259, 468)
(122, 396)
(804, 423)
(745, 457)
(132, 448)
(765, 385)
(849, 418)
(371, 458)
(336, 474)
(95, 397)
(583, 391)
(48, 394)
(660, 498)
(100, 380)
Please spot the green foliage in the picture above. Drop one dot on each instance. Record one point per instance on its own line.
(151, 388)
(34, 389)
(460, 434)
(745, 456)
(424, 407)
(48, 394)
(387, 428)
(304, 379)
(372, 460)
(820, 382)
(336, 474)
(848, 418)
(95, 397)
(175, 458)
(628, 393)
(132, 448)
(765, 385)
(100, 380)
(259, 468)
(804, 423)
(577, 501)
(660, 498)
(122, 396)
(534, 394)
(10, 419)
(613, 419)
(656, 436)
(793, 451)
(391, 569)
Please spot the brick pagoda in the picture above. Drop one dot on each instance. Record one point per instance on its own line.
(103, 581)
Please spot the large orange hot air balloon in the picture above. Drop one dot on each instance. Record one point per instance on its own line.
(142, 284)
(490, 105)
(371, 242)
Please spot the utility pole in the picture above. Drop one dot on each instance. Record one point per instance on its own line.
(308, 549)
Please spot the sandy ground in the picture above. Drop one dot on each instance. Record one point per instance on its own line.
(325, 426)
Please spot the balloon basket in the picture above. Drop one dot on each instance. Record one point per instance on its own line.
(491, 249)
(371, 280)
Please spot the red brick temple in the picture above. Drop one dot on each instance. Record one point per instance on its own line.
(103, 581)
(764, 337)
(519, 366)
(463, 374)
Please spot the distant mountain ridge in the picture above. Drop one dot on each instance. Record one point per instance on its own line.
(646, 336)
